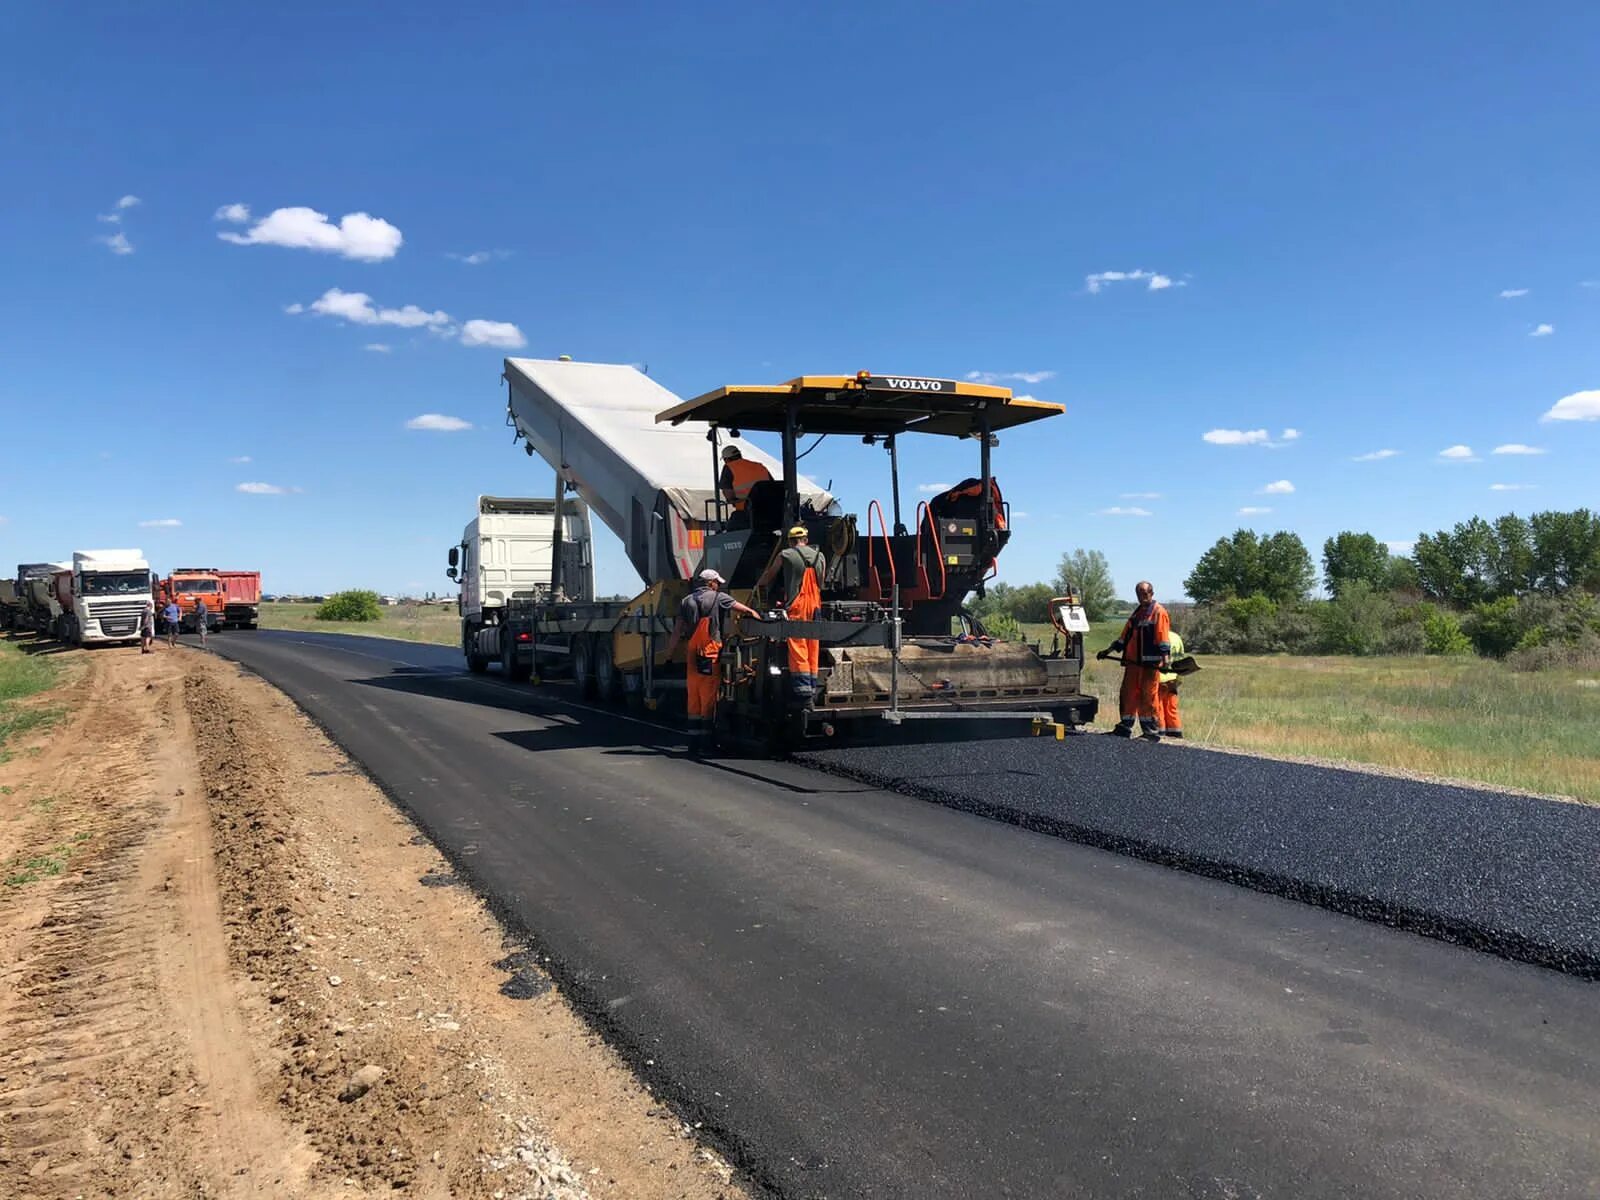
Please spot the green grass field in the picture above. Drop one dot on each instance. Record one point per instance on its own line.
(21, 676)
(411, 623)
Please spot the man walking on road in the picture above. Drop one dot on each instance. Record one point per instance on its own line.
(202, 620)
(173, 616)
(804, 567)
(1146, 648)
(147, 627)
(702, 618)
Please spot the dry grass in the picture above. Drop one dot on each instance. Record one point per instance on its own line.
(409, 622)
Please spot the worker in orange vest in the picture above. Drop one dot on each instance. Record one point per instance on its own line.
(1167, 698)
(702, 618)
(1146, 649)
(804, 568)
(739, 475)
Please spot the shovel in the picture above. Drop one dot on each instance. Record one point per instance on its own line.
(1179, 666)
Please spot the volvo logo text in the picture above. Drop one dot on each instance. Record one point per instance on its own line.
(915, 385)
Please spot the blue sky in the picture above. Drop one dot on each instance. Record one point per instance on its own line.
(743, 193)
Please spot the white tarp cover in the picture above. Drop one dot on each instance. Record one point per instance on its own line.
(618, 404)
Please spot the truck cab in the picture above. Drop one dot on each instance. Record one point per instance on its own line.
(107, 594)
(190, 585)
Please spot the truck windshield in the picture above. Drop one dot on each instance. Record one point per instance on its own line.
(115, 583)
(196, 585)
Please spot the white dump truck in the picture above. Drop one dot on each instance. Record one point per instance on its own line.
(507, 552)
(109, 590)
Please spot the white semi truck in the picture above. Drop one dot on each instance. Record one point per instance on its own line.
(508, 552)
(110, 590)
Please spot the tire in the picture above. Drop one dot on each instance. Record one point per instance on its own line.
(607, 679)
(583, 665)
(476, 663)
(511, 666)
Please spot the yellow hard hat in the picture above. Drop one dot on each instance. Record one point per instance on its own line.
(799, 531)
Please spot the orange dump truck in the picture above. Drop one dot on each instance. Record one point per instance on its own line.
(241, 598)
(188, 586)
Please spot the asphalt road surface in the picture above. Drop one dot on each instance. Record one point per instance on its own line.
(861, 994)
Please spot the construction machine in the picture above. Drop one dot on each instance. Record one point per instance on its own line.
(896, 643)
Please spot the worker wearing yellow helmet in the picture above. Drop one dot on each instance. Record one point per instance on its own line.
(804, 568)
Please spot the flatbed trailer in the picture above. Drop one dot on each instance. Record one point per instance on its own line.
(897, 643)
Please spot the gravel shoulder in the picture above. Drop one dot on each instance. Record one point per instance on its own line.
(233, 968)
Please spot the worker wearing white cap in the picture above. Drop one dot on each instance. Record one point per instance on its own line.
(702, 617)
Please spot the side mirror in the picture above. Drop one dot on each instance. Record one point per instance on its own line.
(450, 572)
(455, 556)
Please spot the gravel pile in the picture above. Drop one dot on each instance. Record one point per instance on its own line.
(1512, 874)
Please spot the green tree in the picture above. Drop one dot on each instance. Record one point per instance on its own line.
(1350, 557)
(350, 606)
(1087, 574)
(1566, 550)
(1277, 566)
(1457, 565)
(1355, 622)
(1511, 570)
(1401, 575)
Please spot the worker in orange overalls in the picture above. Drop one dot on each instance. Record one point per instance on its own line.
(1146, 648)
(1167, 695)
(804, 568)
(739, 475)
(702, 618)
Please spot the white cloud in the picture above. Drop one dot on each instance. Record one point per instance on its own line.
(378, 347)
(1253, 510)
(1458, 453)
(1403, 546)
(261, 489)
(1154, 280)
(115, 217)
(1289, 435)
(357, 235)
(931, 488)
(127, 202)
(358, 309)
(1119, 511)
(478, 257)
(162, 523)
(1512, 487)
(234, 214)
(1518, 448)
(1513, 293)
(1029, 377)
(438, 423)
(1237, 437)
(492, 333)
(1278, 487)
(1580, 406)
(1375, 455)
(241, 458)
(1141, 495)
(1542, 330)
(118, 242)
(1019, 516)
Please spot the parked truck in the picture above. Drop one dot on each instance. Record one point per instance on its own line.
(506, 554)
(188, 586)
(106, 594)
(241, 598)
(37, 607)
(896, 642)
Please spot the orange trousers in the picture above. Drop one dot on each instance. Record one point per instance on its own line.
(1140, 687)
(1167, 703)
(702, 688)
(805, 653)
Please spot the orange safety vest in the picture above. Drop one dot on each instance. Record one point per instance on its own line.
(745, 474)
(975, 489)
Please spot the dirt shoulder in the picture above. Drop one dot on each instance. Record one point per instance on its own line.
(251, 976)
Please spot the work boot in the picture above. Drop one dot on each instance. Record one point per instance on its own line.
(1172, 733)
(1123, 731)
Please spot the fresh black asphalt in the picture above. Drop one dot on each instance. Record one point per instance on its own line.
(860, 994)
(1512, 874)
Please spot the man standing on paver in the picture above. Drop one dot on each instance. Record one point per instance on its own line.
(173, 616)
(702, 618)
(202, 620)
(804, 567)
(1146, 648)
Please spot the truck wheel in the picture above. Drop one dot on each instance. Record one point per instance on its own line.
(608, 680)
(583, 665)
(511, 664)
